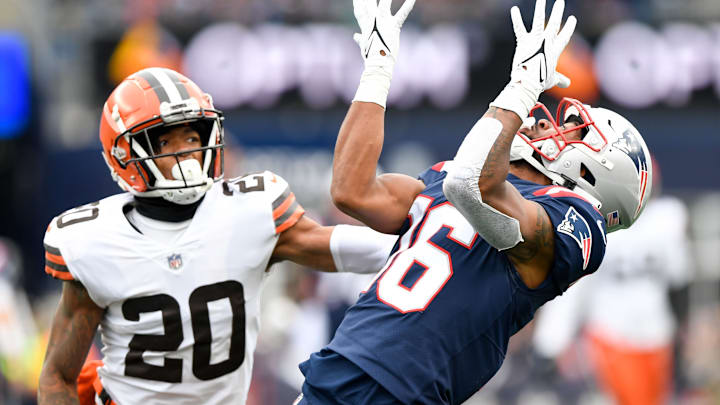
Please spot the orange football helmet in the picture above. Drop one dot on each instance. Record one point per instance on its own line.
(149, 99)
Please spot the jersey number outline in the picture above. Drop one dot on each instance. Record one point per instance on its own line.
(428, 252)
(171, 370)
(242, 184)
(83, 213)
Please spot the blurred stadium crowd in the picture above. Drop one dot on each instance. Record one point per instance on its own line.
(656, 61)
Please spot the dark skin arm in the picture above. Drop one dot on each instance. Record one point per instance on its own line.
(306, 243)
(380, 202)
(534, 256)
(71, 335)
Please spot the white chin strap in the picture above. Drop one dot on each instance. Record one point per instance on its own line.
(191, 182)
(520, 150)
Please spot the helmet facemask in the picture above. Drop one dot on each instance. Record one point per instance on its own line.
(611, 177)
(191, 179)
(551, 146)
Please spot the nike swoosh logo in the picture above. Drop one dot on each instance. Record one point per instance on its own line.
(376, 31)
(540, 52)
(372, 39)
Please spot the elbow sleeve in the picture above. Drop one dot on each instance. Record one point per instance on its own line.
(461, 189)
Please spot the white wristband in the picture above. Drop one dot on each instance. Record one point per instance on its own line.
(516, 98)
(374, 86)
(359, 249)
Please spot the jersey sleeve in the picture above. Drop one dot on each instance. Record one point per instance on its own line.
(433, 173)
(286, 210)
(86, 245)
(55, 264)
(579, 238)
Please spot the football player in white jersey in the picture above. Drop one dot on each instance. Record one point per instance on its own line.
(172, 269)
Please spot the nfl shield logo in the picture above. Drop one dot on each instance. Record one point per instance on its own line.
(175, 261)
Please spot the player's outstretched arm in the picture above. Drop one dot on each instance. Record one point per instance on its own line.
(71, 335)
(476, 183)
(381, 202)
(533, 71)
(341, 248)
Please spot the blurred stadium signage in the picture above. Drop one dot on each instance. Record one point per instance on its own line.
(631, 64)
(241, 66)
(638, 66)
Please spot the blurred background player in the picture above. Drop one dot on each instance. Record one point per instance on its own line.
(18, 331)
(486, 238)
(173, 269)
(630, 312)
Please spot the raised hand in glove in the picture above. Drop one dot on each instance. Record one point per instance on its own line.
(379, 41)
(536, 57)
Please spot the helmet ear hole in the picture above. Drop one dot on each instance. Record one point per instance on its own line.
(586, 174)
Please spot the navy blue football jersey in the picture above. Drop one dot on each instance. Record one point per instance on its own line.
(433, 326)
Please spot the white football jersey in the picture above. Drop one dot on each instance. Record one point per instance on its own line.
(181, 319)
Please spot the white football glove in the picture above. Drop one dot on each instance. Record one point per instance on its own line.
(379, 41)
(536, 57)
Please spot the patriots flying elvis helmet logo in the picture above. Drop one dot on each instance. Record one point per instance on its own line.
(629, 144)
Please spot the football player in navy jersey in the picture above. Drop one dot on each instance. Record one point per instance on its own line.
(172, 270)
(511, 222)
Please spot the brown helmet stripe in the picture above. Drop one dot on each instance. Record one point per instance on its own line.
(155, 84)
(180, 86)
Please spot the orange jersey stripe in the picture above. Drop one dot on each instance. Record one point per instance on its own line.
(290, 221)
(62, 275)
(101, 393)
(55, 259)
(284, 206)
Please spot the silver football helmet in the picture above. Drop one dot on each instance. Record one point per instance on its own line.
(610, 165)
